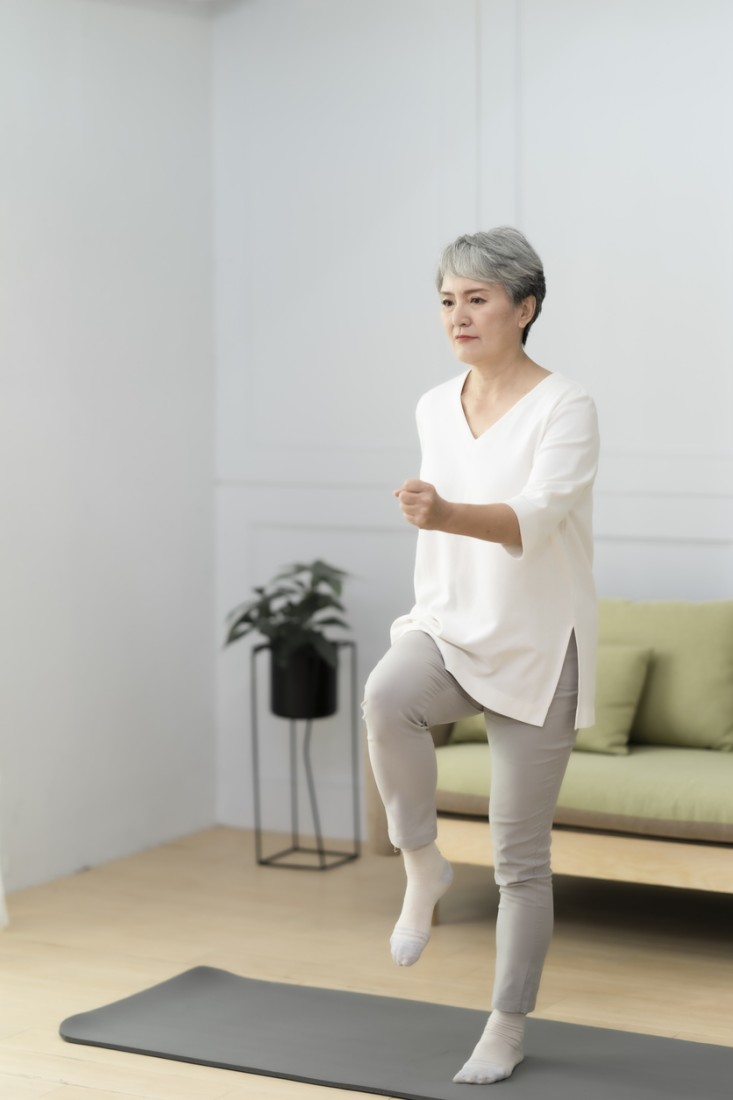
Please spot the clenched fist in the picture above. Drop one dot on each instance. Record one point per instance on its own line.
(421, 505)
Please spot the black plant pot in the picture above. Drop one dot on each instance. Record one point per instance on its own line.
(306, 687)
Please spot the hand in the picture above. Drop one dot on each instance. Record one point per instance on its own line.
(421, 505)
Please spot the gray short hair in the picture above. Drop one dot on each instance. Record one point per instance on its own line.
(502, 255)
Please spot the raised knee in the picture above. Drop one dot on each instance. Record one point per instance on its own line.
(376, 698)
(387, 699)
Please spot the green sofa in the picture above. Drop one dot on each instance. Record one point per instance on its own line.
(659, 761)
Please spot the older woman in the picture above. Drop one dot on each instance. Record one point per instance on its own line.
(504, 619)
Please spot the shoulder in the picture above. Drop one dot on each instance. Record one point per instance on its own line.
(564, 395)
(569, 416)
(564, 388)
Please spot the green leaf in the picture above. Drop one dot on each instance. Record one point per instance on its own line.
(331, 620)
(286, 611)
(326, 649)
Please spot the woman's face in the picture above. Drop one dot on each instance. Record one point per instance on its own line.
(480, 319)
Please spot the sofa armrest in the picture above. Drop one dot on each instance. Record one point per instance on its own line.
(379, 843)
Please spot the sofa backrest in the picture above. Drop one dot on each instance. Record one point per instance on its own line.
(688, 694)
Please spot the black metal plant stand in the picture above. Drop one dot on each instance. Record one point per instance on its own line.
(320, 857)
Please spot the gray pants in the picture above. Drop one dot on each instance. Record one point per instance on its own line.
(409, 691)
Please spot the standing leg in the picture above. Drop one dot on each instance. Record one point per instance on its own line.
(409, 691)
(528, 764)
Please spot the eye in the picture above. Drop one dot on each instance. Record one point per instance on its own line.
(446, 302)
(477, 300)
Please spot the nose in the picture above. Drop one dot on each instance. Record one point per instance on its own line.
(460, 316)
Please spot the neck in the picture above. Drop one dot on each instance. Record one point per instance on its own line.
(499, 375)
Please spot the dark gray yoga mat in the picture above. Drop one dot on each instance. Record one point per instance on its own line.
(388, 1046)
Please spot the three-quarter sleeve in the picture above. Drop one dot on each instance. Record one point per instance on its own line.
(562, 473)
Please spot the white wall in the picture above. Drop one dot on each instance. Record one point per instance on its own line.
(337, 142)
(351, 142)
(106, 345)
(625, 172)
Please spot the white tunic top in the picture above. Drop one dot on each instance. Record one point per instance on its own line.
(502, 616)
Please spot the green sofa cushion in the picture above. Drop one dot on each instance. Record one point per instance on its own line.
(687, 699)
(621, 672)
(664, 784)
(661, 791)
(464, 768)
(469, 729)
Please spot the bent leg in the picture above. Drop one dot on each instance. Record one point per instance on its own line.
(409, 691)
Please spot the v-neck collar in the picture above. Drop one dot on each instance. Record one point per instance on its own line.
(504, 415)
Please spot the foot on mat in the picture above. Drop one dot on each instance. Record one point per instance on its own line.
(497, 1052)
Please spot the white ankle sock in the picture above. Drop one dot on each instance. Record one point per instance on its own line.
(428, 877)
(497, 1052)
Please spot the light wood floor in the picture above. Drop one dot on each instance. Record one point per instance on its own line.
(641, 958)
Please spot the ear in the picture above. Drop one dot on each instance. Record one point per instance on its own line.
(526, 310)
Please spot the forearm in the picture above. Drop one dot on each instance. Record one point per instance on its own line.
(490, 522)
(423, 506)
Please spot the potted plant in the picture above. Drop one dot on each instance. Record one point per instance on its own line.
(291, 612)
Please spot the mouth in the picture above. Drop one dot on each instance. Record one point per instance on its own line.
(463, 339)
